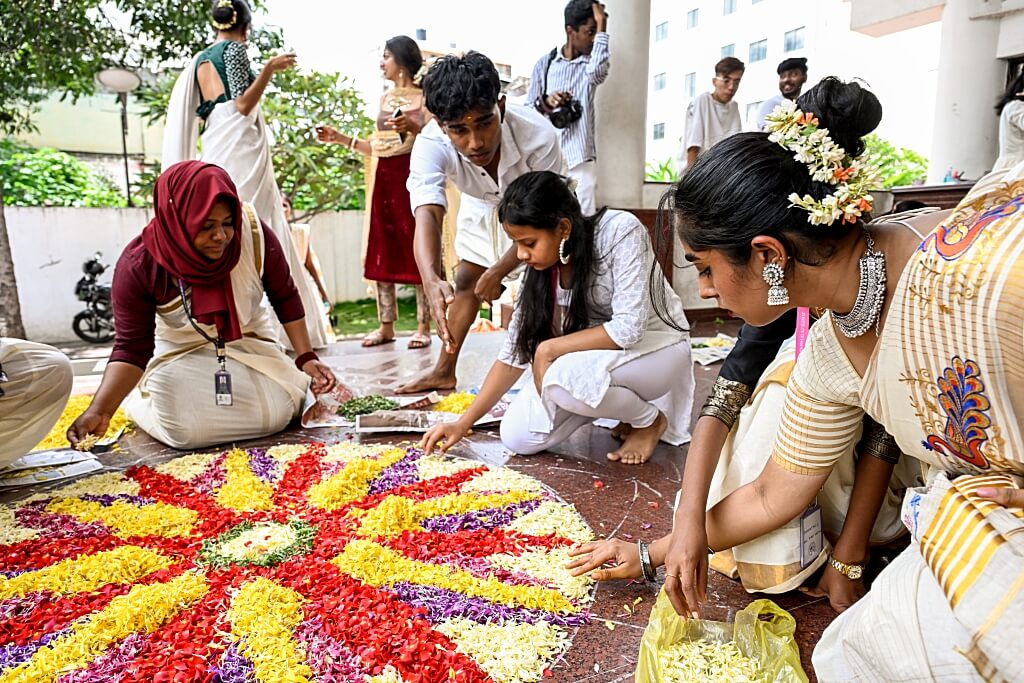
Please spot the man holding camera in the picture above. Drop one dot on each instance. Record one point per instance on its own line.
(563, 86)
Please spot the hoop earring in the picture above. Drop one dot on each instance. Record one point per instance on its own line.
(773, 276)
(562, 256)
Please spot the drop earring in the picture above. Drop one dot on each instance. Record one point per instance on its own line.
(562, 256)
(773, 276)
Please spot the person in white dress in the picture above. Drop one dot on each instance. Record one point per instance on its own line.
(219, 89)
(596, 324)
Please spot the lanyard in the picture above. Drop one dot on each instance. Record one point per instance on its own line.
(221, 378)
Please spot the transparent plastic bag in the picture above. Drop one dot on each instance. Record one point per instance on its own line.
(762, 631)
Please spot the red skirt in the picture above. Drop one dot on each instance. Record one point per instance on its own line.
(389, 256)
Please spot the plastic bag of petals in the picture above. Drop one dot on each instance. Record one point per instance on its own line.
(757, 647)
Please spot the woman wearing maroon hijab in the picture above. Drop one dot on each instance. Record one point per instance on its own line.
(192, 333)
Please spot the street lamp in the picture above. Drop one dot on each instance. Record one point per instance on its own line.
(122, 82)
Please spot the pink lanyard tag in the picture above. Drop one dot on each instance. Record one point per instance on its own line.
(803, 326)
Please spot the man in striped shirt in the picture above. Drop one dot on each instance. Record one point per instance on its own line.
(569, 73)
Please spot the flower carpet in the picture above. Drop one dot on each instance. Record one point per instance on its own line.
(348, 563)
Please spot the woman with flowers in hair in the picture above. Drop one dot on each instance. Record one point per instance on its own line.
(219, 91)
(921, 331)
(599, 328)
(194, 338)
(389, 258)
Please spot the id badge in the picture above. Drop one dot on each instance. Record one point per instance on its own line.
(222, 388)
(812, 539)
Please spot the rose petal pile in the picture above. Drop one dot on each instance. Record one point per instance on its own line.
(348, 564)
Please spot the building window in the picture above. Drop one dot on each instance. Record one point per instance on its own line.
(794, 40)
(752, 109)
(661, 31)
(728, 6)
(758, 51)
(729, 50)
(659, 131)
(690, 84)
(659, 81)
(692, 17)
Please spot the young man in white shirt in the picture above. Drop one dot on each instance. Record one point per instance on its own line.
(713, 116)
(480, 144)
(563, 86)
(792, 76)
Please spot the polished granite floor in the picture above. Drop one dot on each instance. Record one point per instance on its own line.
(633, 502)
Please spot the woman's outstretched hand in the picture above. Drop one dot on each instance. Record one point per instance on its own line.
(323, 378)
(90, 423)
(443, 436)
(622, 558)
(281, 62)
(327, 134)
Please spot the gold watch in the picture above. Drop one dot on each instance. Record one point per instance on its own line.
(851, 571)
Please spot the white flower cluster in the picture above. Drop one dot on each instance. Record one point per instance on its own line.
(827, 162)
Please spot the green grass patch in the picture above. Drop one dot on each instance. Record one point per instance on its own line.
(360, 317)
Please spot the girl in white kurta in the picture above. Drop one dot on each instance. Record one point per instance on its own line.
(198, 274)
(603, 334)
(219, 89)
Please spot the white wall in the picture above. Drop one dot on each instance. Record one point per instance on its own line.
(49, 245)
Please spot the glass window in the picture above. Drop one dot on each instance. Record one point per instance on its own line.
(692, 17)
(729, 50)
(659, 131)
(759, 51)
(728, 6)
(661, 31)
(659, 81)
(690, 84)
(794, 40)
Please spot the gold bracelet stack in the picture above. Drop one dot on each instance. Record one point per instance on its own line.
(878, 443)
(726, 400)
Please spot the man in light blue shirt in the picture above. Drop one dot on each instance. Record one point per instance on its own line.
(563, 86)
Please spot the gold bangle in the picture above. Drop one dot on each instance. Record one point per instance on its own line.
(878, 443)
(726, 400)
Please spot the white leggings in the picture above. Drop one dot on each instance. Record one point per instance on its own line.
(634, 385)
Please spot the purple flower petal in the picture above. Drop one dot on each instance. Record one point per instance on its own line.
(263, 465)
(443, 604)
(481, 519)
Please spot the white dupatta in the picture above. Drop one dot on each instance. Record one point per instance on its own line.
(181, 131)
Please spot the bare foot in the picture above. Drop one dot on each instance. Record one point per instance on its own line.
(640, 443)
(621, 430)
(427, 382)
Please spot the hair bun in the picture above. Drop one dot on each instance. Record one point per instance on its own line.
(230, 14)
(848, 110)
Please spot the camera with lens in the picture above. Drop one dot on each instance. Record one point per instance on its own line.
(567, 114)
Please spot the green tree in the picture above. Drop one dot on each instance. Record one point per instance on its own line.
(316, 177)
(898, 165)
(48, 177)
(51, 46)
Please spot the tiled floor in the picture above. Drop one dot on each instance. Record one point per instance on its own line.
(624, 505)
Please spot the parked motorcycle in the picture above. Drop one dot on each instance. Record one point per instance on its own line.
(96, 323)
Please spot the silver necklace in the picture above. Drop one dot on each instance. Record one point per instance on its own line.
(867, 309)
